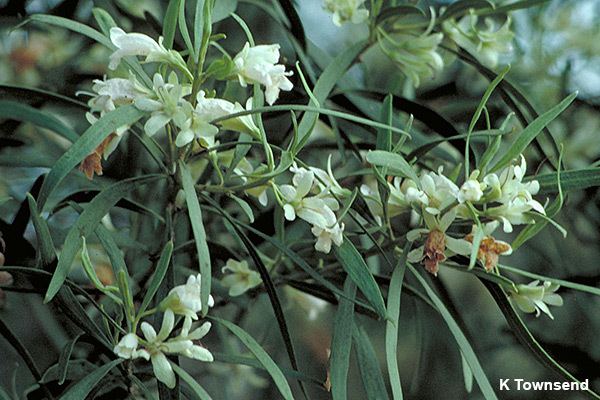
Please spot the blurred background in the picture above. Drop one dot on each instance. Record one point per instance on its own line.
(556, 51)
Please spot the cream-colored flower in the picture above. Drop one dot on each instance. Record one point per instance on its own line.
(415, 56)
(138, 44)
(532, 298)
(167, 104)
(186, 299)
(470, 191)
(327, 236)
(346, 11)
(514, 195)
(315, 210)
(128, 348)
(484, 44)
(241, 278)
(258, 64)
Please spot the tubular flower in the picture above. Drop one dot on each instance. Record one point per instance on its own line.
(314, 210)
(416, 56)
(258, 64)
(241, 277)
(186, 299)
(485, 45)
(470, 191)
(532, 298)
(128, 348)
(158, 345)
(166, 105)
(138, 44)
(514, 195)
(346, 11)
(326, 236)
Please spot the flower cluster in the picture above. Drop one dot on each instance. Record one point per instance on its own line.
(484, 44)
(184, 300)
(346, 11)
(171, 101)
(503, 198)
(313, 196)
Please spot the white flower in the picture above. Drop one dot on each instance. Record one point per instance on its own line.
(258, 64)
(373, 199)
(132, 44)
(346, 11)
(183, 344)
(515, 196)
(532, 298)
(241, 279)
(244, 170)
(127, 348)
(167, 106)
(138, 44)
(441, 192)
(325, 180)
(485, 45)
(470, 191)
(115, 92)
(416, 56)
(186, 299)
(314, 210)
(326, 236)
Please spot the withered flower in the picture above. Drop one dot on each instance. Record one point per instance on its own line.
(490, 250)
(433, 252)
(92, 164)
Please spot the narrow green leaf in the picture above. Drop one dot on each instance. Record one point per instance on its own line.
(23, 112)
(531, 131)
(368, 365)
(104, 20)
(467, 374)
(261, 355)
(63, 360)
(81, 389)
(157, 277)
(463, 343)
(46, 251)
(198, 25)
(357, 269)
(578, 179)
(195, 215)
(384, 136)
(195, 386)
(252, 362)
(183, 29)
(86, 224)
(170, 23)
(244, 206)
(395, 163)
(73, 26)
(92, 34)
(330, 76)
(392, 325)
(478, 111)
(223, 9)
(341, 343)
(91, 138)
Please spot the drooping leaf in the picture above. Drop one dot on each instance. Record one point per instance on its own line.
(86, 224)
(81, 389)
(341, 343)
(90, 139)
(195, 215)
(358, 271)
(261, 355)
